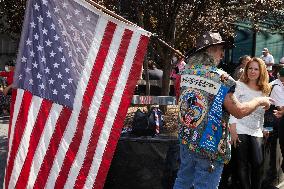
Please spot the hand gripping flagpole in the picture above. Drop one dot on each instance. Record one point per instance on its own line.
(154, 36)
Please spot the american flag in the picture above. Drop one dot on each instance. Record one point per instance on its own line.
(75, 75)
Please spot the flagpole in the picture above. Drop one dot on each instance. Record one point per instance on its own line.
(111, 13)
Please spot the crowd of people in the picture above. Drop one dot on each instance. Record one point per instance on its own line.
(217, 112)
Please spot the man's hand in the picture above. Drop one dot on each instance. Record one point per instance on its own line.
(6, 90)
(279, 113)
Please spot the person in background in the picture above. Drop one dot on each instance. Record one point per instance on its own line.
(8, 74)
(277, 94)
(178, 65)
(268, 59)
(154, 72)
(247, 133)
(5, 96)
(240, 69)
(205, 99)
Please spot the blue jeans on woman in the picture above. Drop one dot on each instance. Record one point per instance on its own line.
(194, 171)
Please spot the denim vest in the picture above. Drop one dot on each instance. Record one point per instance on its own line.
(203, 121)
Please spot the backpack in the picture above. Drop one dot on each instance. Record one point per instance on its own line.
(147, 123)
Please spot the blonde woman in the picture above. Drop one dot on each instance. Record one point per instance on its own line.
(247, 133)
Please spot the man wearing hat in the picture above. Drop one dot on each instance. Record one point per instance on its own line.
(267, 58)
(205, 101)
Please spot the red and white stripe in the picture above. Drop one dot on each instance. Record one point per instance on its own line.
(51, 146)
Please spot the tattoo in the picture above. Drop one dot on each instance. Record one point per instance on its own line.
(234, 99)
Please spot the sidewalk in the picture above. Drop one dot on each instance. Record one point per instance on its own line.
(3, 146)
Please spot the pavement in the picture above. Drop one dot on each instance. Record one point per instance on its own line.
(4, 121)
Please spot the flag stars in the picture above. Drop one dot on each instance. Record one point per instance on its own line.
(40, 19)
(36, 36)
(55, 65)
(68, 16)
(63, 86)
(36, 7)
(44, 31)
(88, 18)
(67, 96)
(55, 92)
(70, 53)
(42, 86)
(56, 37)
(39, 76)
(52, 26)
(78, 49)
(34, 65)
(70, 80)
(56, 9)
(48, 43)
(77, 11)
(72, 28)
(73, 64)
(27, 70)
(29, 42)
(48, 14)
(39, 48)
(60, 49)
(31, 82)
(24, 59)
(51, 81)
(47, 70)
(32, 54)
(52, 54)
(64, 33)
(66, 44)
(67, 70)
(33, 25)
(44, 2)
(43, 59)
(83, 34)
(59, 75)
(64, 5)
(63, 59)
(20, 76)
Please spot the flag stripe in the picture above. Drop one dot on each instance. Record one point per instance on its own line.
(41, 151)
(82, 86)
(81, 178)
(124, 74)
(13, 100)
(16, 103)
(23, 146)
(95, 105)
(34, 140)
(120, 115)
(17, 106)
(92, 84)
(52, 148)
(20, 126)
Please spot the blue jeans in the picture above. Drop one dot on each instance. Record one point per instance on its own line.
(193, 171)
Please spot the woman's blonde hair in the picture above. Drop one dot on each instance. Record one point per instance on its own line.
(263, 80)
